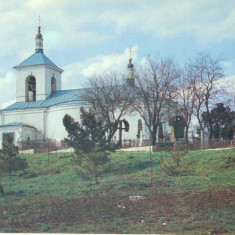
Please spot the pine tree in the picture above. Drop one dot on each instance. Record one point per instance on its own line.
(10, 161)
(89, 141)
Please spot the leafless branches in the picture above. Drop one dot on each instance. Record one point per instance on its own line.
(109, 98)
(156, 89)
(204, 71)
(161, 90)
(186, 98)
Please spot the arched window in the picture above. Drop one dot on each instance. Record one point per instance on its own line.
(53, 84)
(31, 89)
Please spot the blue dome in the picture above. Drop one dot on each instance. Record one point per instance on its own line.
(130, 65)
(38, 35)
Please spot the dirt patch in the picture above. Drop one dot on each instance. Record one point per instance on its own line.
(98, 210)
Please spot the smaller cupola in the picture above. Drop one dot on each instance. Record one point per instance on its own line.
(130, 77)
(39, 41)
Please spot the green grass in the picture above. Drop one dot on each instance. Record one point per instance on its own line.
(199, 199)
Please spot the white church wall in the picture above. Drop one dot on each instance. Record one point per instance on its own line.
(132, 119)
(28, 132)
(38, 71)
(31, 117)
(55, 115)
(133, 122)
(56, 130)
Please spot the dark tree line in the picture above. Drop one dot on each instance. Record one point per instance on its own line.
(221, 120)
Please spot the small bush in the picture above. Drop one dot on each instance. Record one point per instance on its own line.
(10, 161)
(55, 171)
(130, 157)
(122, 186)
(30, 175)
(143, 185)
(171, 165)
(19, 193)
(6, 230)
(45, 227)
(62, 228)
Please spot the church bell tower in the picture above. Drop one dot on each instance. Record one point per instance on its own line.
(37, 76)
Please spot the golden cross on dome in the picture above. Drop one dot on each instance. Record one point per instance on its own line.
(130, 52)
(39, 20)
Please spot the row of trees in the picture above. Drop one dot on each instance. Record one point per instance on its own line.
(222, 120)
(162, 89)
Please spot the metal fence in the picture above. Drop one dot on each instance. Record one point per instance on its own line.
(167, 145)
(39, 146)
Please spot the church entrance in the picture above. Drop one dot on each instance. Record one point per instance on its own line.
(7, 139)
(126, 128)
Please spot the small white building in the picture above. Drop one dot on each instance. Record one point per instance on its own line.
(41, 104)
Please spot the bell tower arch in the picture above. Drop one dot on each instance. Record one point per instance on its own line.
(30, 89)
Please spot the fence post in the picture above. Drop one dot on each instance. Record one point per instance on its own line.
(202, 139)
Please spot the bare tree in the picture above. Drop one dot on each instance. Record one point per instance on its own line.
(186, 98)
(109, 98)
(155, 89)
(205, 72)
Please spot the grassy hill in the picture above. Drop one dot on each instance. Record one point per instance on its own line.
(50, 197)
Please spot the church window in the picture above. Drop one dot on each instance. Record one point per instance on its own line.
(30, 89)
(53, 84)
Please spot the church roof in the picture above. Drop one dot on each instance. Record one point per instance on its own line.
(56, 98)
(37, 58)
(14, 124)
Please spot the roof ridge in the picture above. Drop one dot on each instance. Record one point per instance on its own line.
(44, 56)
(38, 58)
(64, 96)
(24, 61)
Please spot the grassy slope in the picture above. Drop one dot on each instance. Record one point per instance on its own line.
(56, 200)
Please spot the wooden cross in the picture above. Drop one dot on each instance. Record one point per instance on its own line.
(130, 52)
(39, 20)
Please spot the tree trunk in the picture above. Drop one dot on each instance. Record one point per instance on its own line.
(154, 136)
(96, 180)
(95, 174)
(1, 190)
(186, 135)
(199, 121)
(120, 134)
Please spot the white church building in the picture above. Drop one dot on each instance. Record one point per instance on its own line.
(41, 104)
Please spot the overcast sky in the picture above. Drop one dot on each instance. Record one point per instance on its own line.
(92, 36)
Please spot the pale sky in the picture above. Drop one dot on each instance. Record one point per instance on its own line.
(84, 37)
